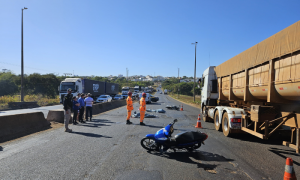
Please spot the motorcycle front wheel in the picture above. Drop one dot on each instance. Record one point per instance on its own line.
(149, 144)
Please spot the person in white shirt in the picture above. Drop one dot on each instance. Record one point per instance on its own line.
(89, 107)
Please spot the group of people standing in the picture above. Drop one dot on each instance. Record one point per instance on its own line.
(77, 104)
(130, 108)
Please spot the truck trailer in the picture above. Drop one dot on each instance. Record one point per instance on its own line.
(257, 91)
(78, 85)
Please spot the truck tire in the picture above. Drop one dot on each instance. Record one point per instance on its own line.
(225, 125)
(205, 116)
(216, 121)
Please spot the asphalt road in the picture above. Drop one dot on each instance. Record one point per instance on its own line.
(107, 148)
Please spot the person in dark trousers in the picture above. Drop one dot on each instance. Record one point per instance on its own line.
(81, 110)
(67, 107)
(76, 106)
(89, 107)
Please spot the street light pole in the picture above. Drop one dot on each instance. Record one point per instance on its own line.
(178, 84)
(195, 69)
(22, 61)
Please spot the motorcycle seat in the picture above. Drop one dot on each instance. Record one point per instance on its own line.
(189, 137)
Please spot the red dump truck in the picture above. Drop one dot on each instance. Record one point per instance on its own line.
(257, 91)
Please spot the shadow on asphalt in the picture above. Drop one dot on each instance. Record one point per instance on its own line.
(285, 153)
(101, 120)
(1, 148)
(197, 158)
(275, 139)
(155, 103)
(93, 125)
(152, 126)
(91, 135)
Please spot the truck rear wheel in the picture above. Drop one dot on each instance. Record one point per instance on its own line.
(205, 116)
(225, 125)
(216, 121)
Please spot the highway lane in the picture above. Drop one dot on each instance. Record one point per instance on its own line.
(107, 148)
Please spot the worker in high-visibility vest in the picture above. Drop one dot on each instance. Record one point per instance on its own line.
(129, 107)
(142, 109)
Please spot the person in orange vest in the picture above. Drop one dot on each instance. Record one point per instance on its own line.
(129, 107)
(142, 109)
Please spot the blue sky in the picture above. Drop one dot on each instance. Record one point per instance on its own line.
(104, 38)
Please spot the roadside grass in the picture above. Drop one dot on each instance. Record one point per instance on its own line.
(40, 99)
(187, 99)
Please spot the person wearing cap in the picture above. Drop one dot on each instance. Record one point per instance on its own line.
(129, 107)
(142, 109)
(89, 107)
(81, 110)
(67, 107)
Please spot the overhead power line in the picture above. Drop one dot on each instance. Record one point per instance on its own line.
(29, 67)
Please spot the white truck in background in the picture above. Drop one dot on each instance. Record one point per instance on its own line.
(125, 91)
(165, 91)
(81, 85)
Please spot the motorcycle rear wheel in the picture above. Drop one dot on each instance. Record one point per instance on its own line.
(149, 144)
(196, 146)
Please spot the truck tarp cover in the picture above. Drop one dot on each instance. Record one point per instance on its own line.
(96, 88)
(112, 88)
(282, 43)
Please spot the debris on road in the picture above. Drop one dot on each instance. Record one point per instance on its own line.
(172, 107)
(137, 115)
(156, 110)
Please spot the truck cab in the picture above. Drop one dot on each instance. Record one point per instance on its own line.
(137, 89)
(224, 117)
(73, 83)
(209, 93)
(124, 92)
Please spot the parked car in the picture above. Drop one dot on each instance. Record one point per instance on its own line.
(154, 99)
(112, 96)
(118, 97)
(104, 98)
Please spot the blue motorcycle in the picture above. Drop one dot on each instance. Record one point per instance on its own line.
(162, 140)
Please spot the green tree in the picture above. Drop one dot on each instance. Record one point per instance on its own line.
(7, 84)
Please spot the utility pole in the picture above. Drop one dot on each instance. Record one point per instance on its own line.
(127, 76)
(178, 87)
(195, 69)
(22, 61)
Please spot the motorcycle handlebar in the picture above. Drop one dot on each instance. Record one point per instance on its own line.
(175, 120)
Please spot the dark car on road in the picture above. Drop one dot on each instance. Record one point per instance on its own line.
(154, 99)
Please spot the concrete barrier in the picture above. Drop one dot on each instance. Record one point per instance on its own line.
(56, 115)
(102, 107)
(98, 108)
(17, 125)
